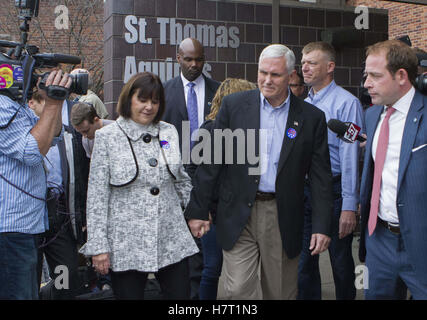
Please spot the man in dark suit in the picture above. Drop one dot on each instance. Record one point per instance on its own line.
(191, 58)
(260, 211)
(188, 100)
(394, 180)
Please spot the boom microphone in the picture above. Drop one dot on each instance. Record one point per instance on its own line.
(346, 131)
(55, 58)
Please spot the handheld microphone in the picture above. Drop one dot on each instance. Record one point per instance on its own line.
(346, 131)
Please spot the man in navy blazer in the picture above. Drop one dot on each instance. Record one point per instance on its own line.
(260, 212)
(191, 57)
(394, 229)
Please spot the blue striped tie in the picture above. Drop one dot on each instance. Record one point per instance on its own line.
(192, 109)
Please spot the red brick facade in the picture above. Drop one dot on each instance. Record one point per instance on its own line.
(404, 19)
(96, 33)
(84, 36)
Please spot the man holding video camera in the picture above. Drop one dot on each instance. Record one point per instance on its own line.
(23, 213)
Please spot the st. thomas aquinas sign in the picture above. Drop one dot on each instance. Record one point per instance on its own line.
(172, 33)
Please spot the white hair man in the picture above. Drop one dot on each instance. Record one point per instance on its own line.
(260, 216)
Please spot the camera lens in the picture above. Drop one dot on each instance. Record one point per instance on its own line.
(79, 83)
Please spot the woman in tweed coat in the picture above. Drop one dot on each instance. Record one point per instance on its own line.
(137, 191)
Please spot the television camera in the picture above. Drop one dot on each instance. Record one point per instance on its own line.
(18, 66)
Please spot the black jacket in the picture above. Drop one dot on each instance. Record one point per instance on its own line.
(307, 153)
(81, 177)
(192, 171)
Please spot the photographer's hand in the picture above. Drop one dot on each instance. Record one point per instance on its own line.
(50, 122)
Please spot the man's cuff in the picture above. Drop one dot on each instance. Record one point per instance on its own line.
(195, 214)
(349, 203)
(58, 138)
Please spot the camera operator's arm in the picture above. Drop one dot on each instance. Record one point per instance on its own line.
(50, 122)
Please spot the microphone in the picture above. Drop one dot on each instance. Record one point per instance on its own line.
(346, 131)
(55, 58)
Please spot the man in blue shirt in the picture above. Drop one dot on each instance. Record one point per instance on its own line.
(318, 64)
(65, 163)
(25, 140)
(260, 213)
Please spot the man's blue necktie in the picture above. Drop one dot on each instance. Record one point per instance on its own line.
(192, 109)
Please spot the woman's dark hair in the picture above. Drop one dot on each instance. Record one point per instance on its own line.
(148, 86)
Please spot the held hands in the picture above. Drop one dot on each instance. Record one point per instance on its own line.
(198, 227)
(319, 243)
(101, 263)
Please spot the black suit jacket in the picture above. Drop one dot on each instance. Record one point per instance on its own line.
(81, 177)
(176, 108)
(307, 153)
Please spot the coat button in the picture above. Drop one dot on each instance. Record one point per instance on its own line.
(152, 162)
(154, 191)
(146, 137)
(250, 205)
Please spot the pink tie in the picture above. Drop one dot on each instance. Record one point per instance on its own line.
(379, 165)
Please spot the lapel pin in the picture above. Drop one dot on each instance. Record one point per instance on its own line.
(164, 144)
(295, 123)
(291, 133)
(415, 119)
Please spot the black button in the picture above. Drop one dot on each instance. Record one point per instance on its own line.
(155, 191)
(250, 205)
(152, 162)
(147, 138)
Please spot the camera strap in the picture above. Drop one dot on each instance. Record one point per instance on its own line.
(20, 189)
(11, 119)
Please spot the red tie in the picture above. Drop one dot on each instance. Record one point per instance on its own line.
(379, 165)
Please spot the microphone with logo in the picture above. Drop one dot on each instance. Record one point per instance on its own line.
(346, 131)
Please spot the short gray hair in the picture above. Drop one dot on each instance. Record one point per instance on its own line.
(279, 50)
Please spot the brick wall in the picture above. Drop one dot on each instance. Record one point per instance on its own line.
(404, 19)
(298, 26)
(101, 35)
(84, 36)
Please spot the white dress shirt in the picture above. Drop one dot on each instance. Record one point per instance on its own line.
(65, 120)
(199, 88)
(388, 194)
